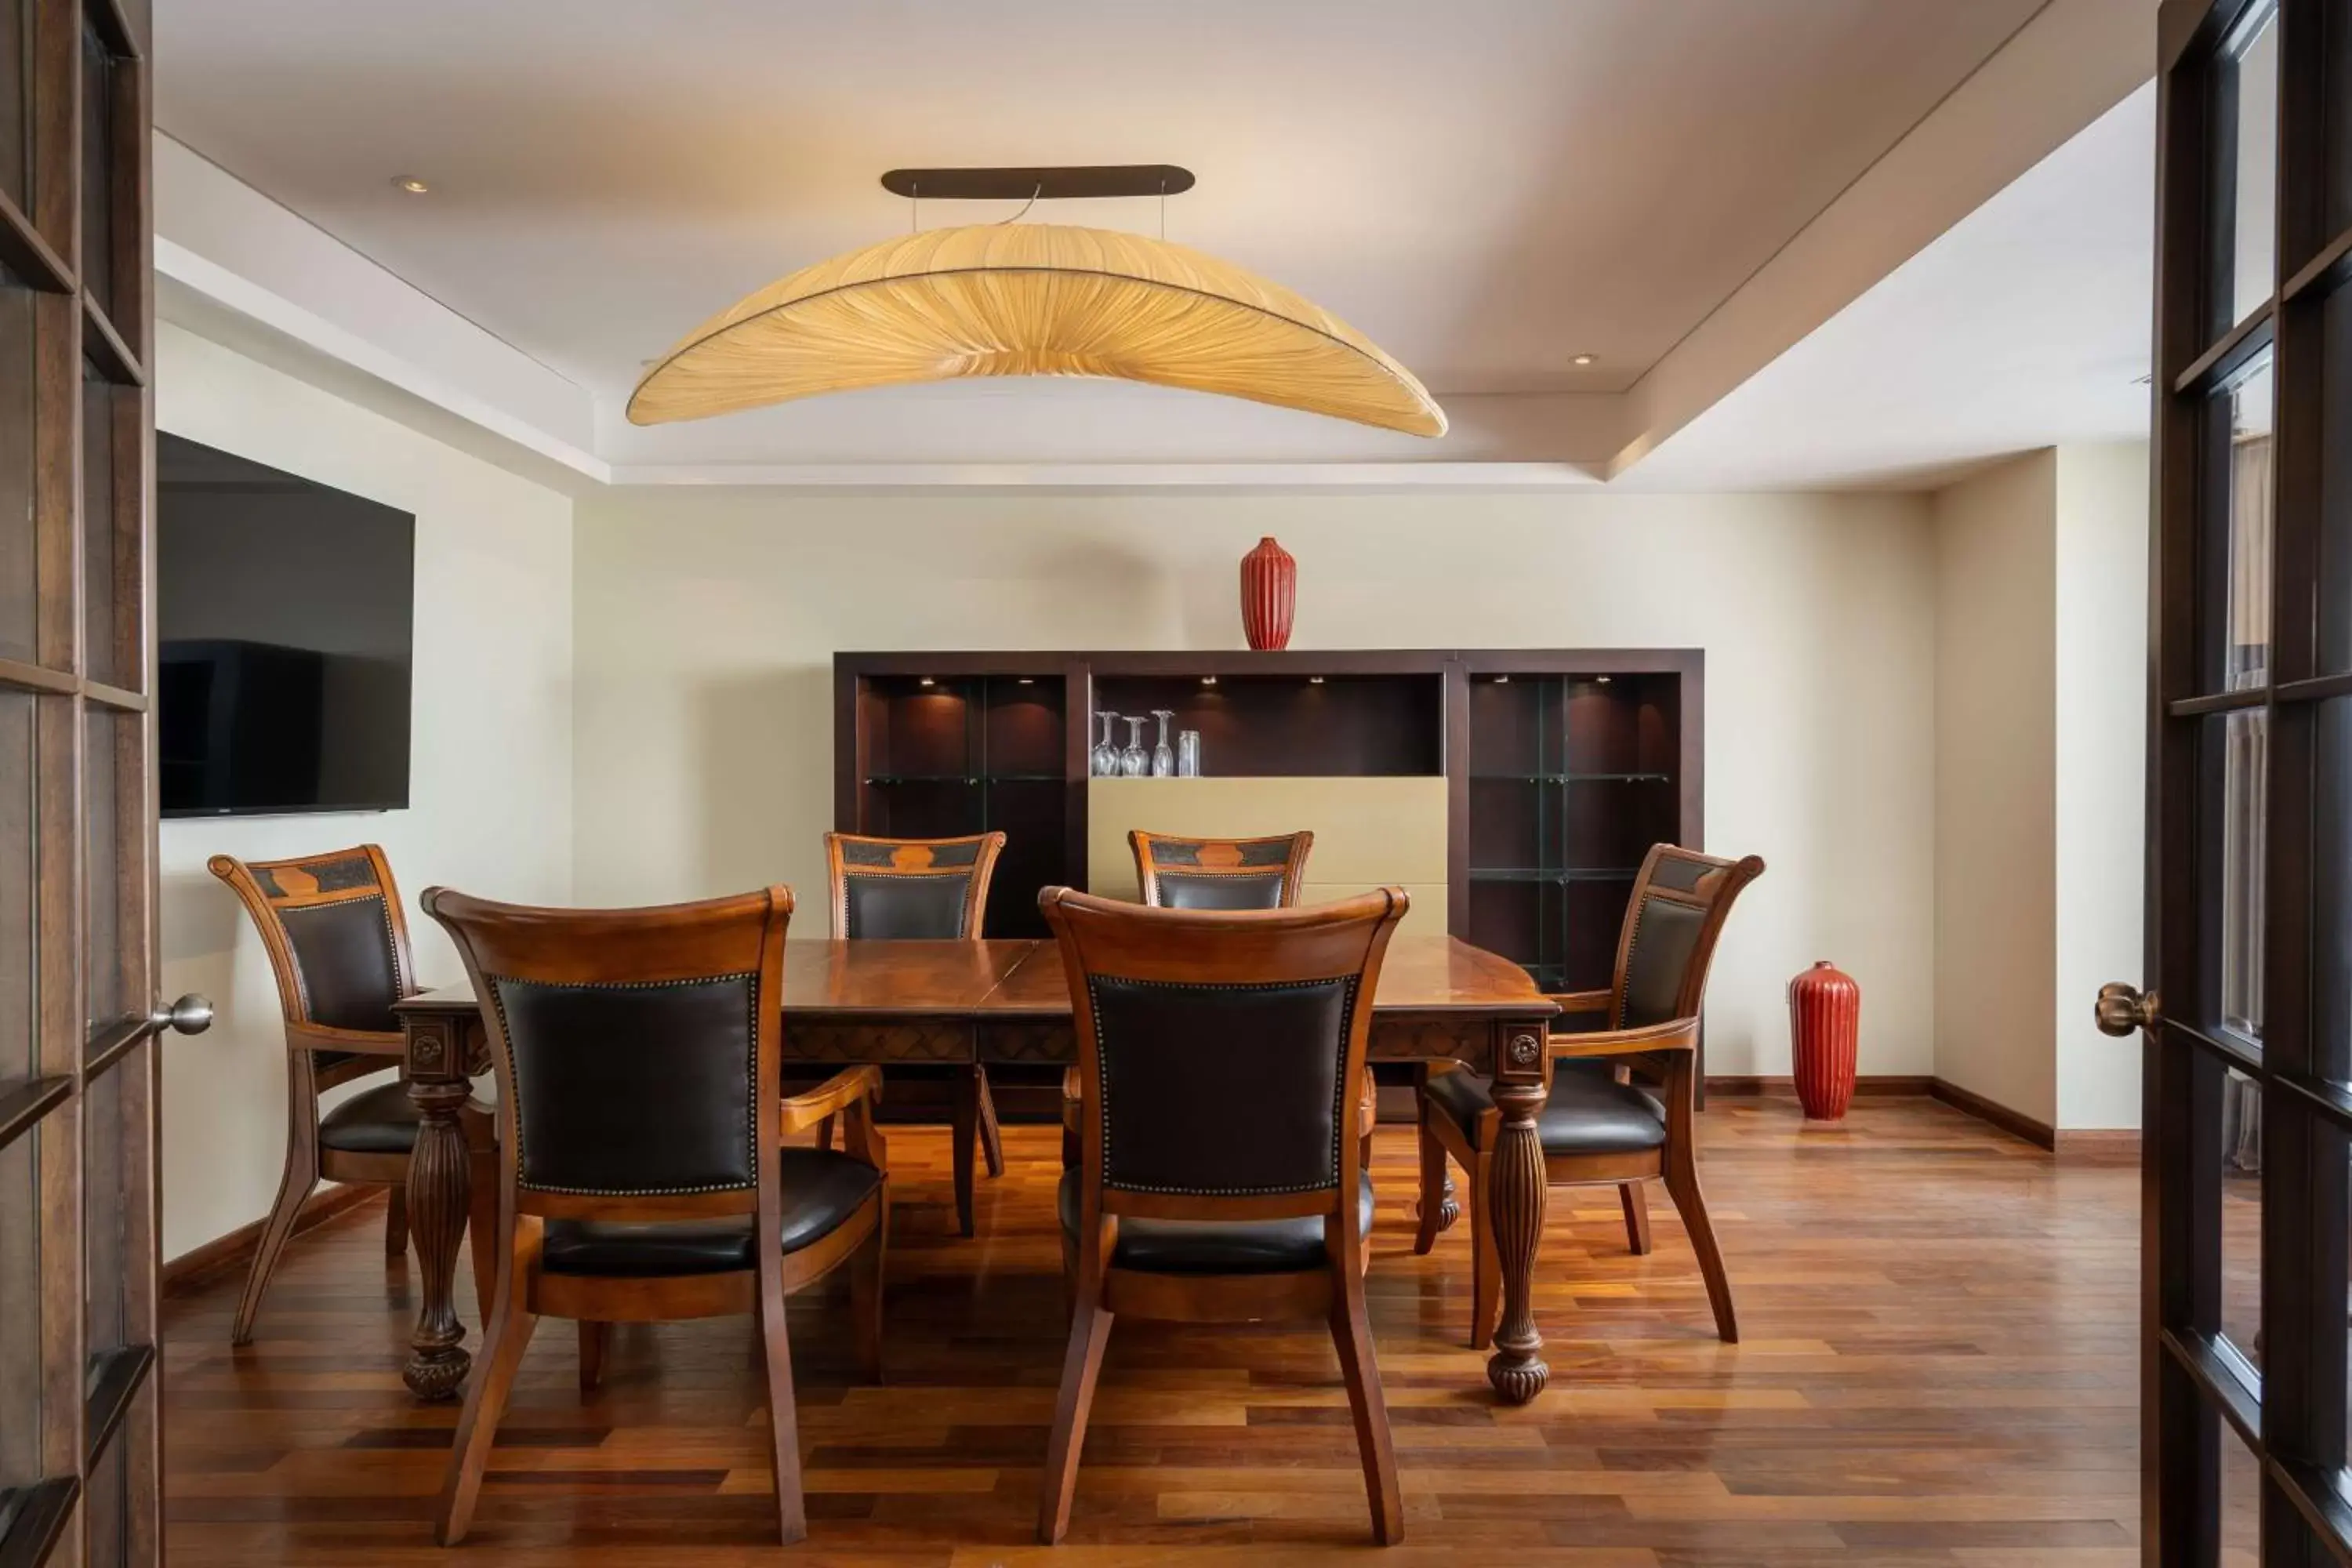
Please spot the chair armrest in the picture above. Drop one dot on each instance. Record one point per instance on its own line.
(356, 1042)
(1572, 1003)
(1674, 1034)
(838, 1093)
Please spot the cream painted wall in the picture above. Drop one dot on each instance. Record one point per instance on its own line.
(2101, 727)
(1996, 917)
(706, 620)
(490, 797)
(2040, 687)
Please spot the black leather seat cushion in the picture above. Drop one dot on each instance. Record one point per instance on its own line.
(822, 1189)
(1217, 1246)
(379, 1121)
(1590, 1111)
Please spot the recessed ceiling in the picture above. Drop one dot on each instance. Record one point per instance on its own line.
(2026, 324)
(1488, 189)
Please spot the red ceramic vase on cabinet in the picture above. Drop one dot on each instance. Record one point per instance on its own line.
(1825, 1026)
(1269, 594)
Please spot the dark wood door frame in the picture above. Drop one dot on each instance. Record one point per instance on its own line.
(80, 1437)
(2265, 1399)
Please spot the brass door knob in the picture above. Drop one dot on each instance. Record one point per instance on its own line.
(2123, 1009)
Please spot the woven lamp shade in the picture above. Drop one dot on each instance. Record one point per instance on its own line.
(1031, 300)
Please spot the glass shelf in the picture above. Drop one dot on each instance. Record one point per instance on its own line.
(1567, 778)
(974, 779)
(1554, 874)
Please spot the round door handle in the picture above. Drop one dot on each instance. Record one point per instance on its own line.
(191, 1015)
(2123, 1009)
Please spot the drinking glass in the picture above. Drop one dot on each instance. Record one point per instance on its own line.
(1163, 755)
(1102, 761)
(1188, 754)
(1135, 761)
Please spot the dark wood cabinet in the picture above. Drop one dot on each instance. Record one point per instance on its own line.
(1563, 766)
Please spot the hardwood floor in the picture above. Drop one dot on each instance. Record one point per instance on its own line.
(1938, 1367)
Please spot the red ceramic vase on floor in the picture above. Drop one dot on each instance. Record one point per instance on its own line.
(1825, 1027)
(1269, 593)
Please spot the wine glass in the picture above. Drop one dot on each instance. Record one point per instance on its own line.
(1134, 762)
(1163, 755)
(1103, 762)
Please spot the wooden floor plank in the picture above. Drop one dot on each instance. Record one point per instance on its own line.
(1939, 1367)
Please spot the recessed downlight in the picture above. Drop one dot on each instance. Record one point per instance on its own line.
(410, 184)
(1582, 359)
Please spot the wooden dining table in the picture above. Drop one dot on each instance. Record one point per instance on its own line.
(1439, 999)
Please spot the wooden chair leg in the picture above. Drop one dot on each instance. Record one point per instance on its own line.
(965, 1118)
(482, 1230)
(507, 1336)
(991, 1137)
(1351, 1333)
(1485, 1260)
(865, 1275)
(594, 1339)
(294, 1186)
(783, 1415)
(1636, 1197)
(824, 1133)
(395, 1221)
(1681, 1185)
(1432, 1189)
(1081, 1365)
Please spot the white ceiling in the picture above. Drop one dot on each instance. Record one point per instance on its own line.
(2026, 324)
(1486, 187)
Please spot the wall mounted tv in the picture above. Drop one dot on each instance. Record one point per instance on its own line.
(285, 615)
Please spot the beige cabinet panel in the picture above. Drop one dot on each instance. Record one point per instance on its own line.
(1368, 832)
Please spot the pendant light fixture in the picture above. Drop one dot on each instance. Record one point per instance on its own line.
(1031, 298)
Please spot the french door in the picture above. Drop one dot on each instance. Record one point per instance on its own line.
(80, 1452)
(2248, 1030)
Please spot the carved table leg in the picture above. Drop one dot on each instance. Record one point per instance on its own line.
(1451, 1209)
(1516, 1207)
(439, 1193)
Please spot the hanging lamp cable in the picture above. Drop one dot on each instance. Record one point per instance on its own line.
(1032, 202)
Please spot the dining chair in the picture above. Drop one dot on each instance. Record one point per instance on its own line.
(1180, 873)
(641, 1175)
(338, 946)
(1623, 1099)
(1218, 1052)
(924, 889)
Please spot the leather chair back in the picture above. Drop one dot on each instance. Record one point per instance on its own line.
(636, 1050)
(1220, 1053)
(909, 890)
(1220, 873)
(1680, 901)
(337, 940)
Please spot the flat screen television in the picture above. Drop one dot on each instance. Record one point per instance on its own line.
(284, 615)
